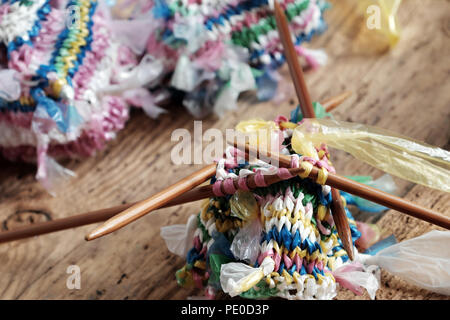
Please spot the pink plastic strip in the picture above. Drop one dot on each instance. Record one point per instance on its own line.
(242, 183)
(217, 188)
(284, 173)
(228, 186)
(295, 161)
(259, 180)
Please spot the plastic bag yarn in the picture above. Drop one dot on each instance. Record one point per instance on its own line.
(179, 237)
(245, 243)
(214, 50)
(423, 261)
(65, 83)
(70, 70)
(393, 153)
(300, 255)
(355, 277)
(297, 249)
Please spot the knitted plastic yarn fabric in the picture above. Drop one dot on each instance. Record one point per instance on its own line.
(65, 82)
(70, 70)
(210, 51)
(278, 240)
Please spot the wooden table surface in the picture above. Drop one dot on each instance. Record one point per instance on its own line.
(406, 90)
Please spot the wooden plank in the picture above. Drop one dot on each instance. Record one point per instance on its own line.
(405, 90)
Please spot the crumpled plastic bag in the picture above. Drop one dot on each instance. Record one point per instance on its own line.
(355, 277)
(179, 237)
(187, 76)
(423, 261)
(236, 277)
(134, 33)
(393, 153)
(51, 174)
(141, 97)
(9, 85)
(245, 245)
(243, 205)
(370, 234)
(239, 78)
(220, 245)
(146, 73)
(380, 245)
(190, 29)
(381, 28)
(51, 116)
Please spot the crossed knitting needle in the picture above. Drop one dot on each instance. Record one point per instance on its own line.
(296, 71)
(203, 192)
(105, 214)
(182, 191)
(338, 210)
(335, 181)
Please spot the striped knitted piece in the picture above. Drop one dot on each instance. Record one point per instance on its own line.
(61, 68)
(298, 246)
(247, 24)
(66, 80)
(213, 50)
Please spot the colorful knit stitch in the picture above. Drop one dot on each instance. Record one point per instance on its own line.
(213, 50)
(54, 96)
(299, 247)
(67, 84)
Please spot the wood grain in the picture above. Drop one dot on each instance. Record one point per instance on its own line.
(405, 90)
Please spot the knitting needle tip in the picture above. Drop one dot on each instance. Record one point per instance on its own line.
(341, 222)
(152, 203)
(332, 103)
(92, 236)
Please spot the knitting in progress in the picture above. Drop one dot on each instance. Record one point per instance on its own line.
(278, 240)
(211, 51)
(283, 239)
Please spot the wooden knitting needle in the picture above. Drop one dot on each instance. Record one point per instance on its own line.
(337, 208)
(91, 217)
(160, 199)
(192, 195)
(156, 201)
(104, 214)
(358, 189)
(331, 103)
(341, 220)
(294, 66)
(61, 224)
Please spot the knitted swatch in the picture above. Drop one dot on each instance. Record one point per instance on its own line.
(60, 91)
(278, 240)
(69, 71)
(214, 50)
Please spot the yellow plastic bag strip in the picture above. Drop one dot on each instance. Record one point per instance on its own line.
(381, 17)
(264, 133)
(395, 154)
